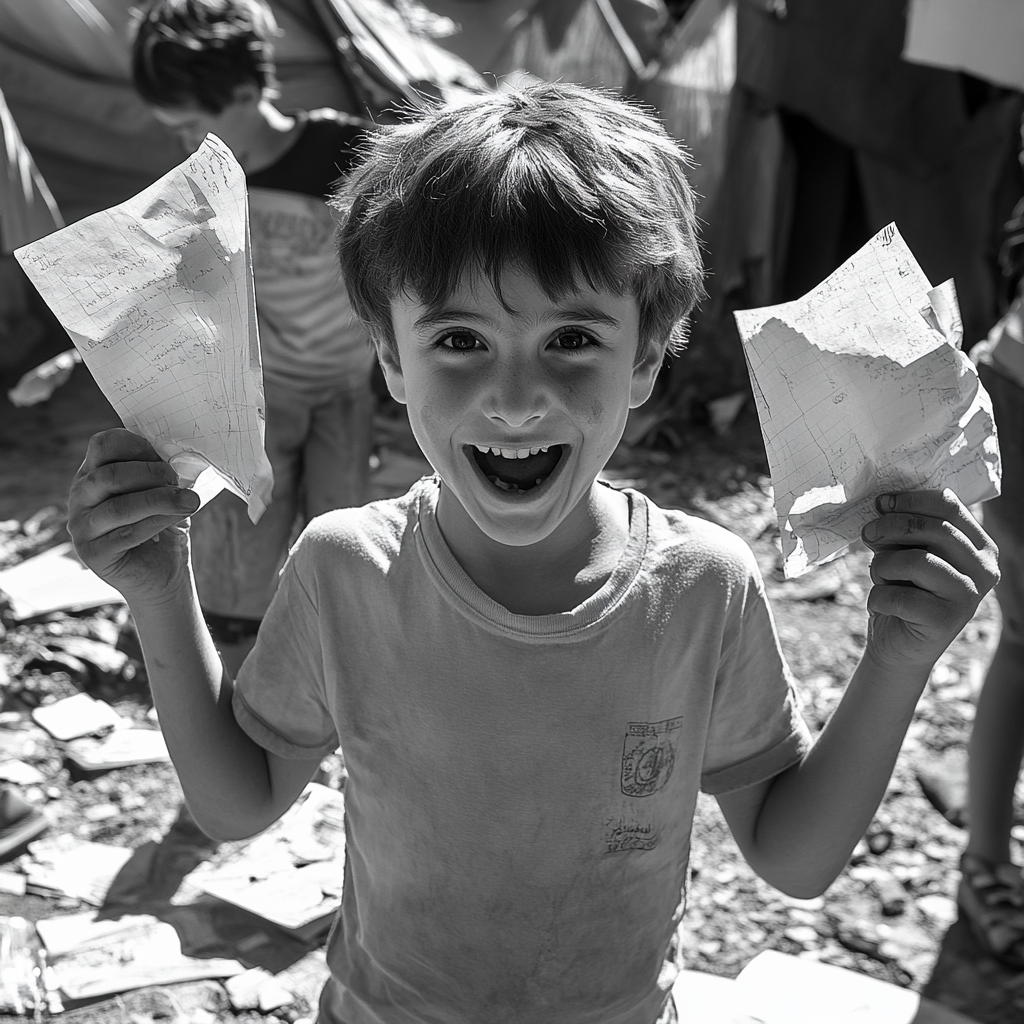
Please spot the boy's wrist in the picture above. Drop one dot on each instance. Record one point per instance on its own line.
(893, 669)
(178, 594)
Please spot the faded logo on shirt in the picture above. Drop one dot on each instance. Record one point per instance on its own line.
(648, 755)
(621, 834)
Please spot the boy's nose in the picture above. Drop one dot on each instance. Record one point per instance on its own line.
(517, 397)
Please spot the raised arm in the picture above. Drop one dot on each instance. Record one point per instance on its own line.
(128, 520)
(932, 566)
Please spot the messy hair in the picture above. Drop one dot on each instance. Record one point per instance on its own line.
(569, 183)
(188, 52)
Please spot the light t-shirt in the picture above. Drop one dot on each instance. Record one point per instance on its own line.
(520, 788)
(310, 338)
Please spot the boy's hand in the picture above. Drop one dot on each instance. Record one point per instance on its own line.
(123, 496)
(933, 564)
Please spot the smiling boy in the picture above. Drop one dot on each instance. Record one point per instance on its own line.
(530, 673)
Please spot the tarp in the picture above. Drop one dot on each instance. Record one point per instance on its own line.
(65, 71)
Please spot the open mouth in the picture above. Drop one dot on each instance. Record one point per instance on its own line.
(525, 470)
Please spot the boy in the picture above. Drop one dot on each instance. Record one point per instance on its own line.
(529, 673)
(206, 66)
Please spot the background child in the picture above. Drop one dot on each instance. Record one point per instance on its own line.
(991, 893)
(206, 66)
(530, 673)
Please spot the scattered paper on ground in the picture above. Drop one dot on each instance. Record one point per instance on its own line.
(96, 958)
(123, 747)
(64, 865)
(775, 988)
(157, 296)
(292, 874)
(55, 580)
(861, 389)
(80, 715)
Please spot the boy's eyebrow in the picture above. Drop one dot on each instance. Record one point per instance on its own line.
(578, 314)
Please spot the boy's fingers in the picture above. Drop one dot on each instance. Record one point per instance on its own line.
(943, 505)
(96, 485)
(923, 570)
(117, 445)
(911, 604)
(133, 507)
(953, 535)
(116, 542)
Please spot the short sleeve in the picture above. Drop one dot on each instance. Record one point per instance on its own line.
(279, 698)
(756, 729)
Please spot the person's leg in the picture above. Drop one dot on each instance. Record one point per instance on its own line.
(991, 893)
(336, 472)
(996, 749)
(236, 562)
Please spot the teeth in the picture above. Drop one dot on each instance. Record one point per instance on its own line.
(511, 453)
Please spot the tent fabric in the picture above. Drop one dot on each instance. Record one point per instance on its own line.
(591, 42)
(839, 64)
(27, 207)
(65, 70)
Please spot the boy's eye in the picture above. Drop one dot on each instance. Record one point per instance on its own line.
(573, 340)
(461, 341)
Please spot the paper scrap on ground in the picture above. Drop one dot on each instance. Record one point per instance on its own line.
(100, 957)
(861, 388)
(292, 873)
(157, 296)
(55, 580)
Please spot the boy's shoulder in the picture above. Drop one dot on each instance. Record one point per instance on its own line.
(370, 533)
(324, 151)
(692, 549)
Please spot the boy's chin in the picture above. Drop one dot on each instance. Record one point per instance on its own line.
(501, 519)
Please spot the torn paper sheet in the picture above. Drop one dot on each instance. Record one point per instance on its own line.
(861, 388)
(291, 874)
(157, 296)
(100, 957)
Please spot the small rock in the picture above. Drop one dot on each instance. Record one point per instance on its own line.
(940, 910)
(273, 995)
(884, 885)
(243, 989)
(803, 934)
(101, 812)
(861, 937)
(879, 842)
(803, 916)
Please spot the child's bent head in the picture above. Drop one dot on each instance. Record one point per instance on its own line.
(196, 53)
(574, 186)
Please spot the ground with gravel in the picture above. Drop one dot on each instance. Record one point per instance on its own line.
(891, 914)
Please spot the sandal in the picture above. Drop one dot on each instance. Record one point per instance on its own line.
(991, 897)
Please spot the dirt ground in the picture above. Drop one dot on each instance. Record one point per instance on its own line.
(892, 913)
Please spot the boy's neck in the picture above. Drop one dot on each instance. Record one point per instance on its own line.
(271, 136)
(555, 575)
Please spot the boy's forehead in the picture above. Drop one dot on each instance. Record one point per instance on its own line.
(519, 293)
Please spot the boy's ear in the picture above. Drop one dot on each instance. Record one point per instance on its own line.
(392, 368)
(646, 372)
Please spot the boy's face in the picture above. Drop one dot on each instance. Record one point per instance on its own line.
(233, 125)
(501, 398)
